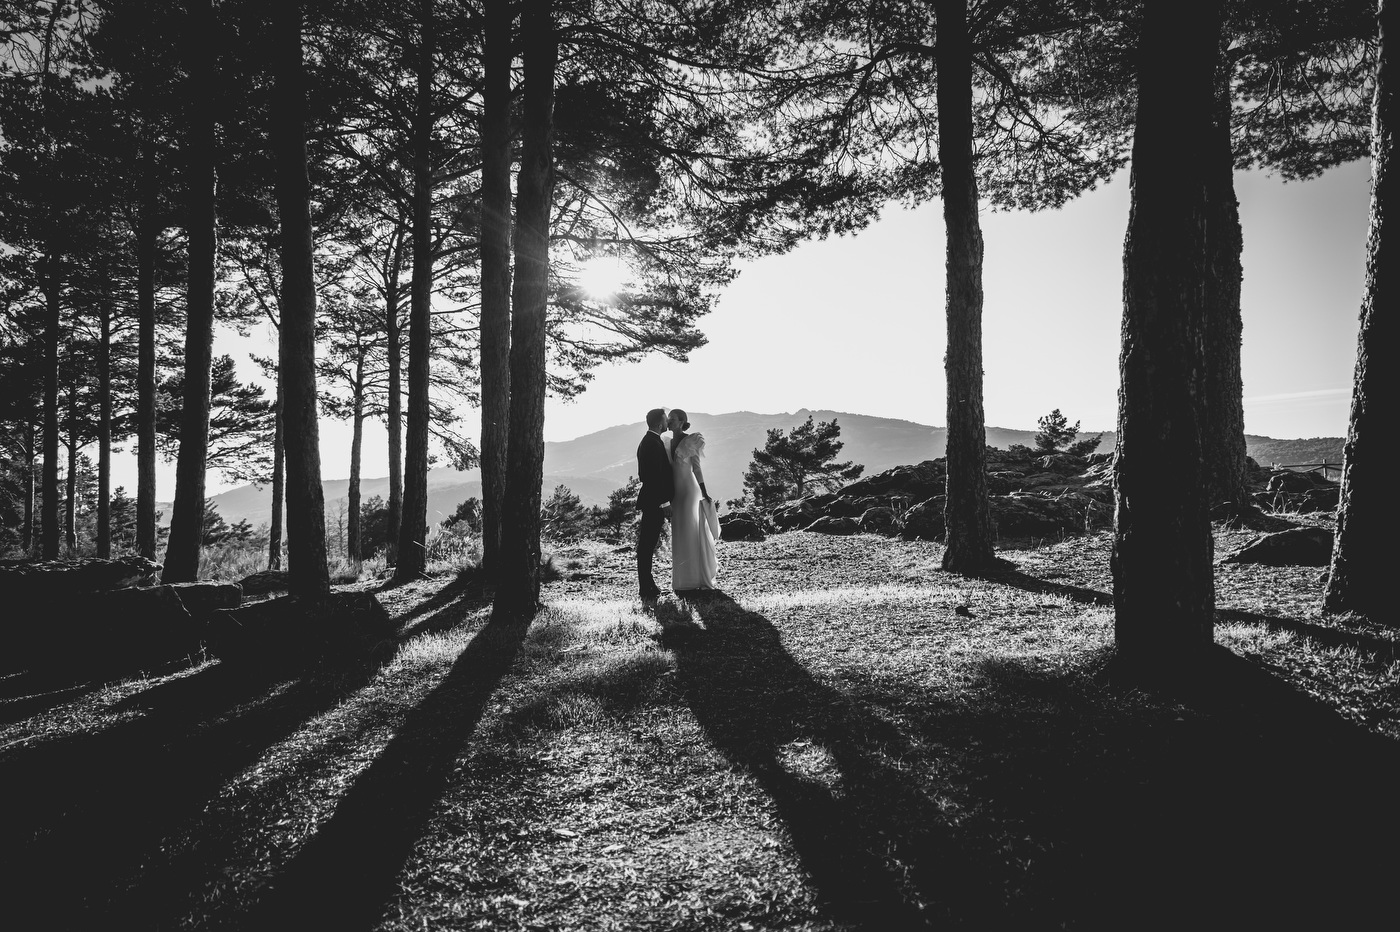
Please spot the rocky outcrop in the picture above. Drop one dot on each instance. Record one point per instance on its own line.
(1299, 546)
(741, 525)
(1031, 496)
(834, 524)
(20, 578)
(296, 631)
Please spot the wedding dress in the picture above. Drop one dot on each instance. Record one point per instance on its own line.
(693, 560)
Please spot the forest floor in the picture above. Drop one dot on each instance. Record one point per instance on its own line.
(845, 737)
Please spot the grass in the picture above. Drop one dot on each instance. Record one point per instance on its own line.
(844, 738)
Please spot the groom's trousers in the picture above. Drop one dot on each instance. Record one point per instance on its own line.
(648, 536)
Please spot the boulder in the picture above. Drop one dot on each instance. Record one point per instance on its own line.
(100, 633)
(925, 520)
(842, 507)
(833, 524)
(296, 631)
(794, 514)
(1299, 546)
(264, 583)
(202, 599)
(879, 520)
(740, 525)
(67, 578)
(1002, 483)
(914, 483)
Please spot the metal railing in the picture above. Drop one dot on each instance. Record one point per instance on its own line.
(1324, 467)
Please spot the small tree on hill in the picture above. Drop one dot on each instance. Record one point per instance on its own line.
(791, 463)
(1056, 432)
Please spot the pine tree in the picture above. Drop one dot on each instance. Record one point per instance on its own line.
(1055, 432)
(793, 462)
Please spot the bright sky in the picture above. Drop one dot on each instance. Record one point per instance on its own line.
(855, 324)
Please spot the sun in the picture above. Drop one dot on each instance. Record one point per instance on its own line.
(603, 277)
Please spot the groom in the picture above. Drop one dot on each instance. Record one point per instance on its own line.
(654, 470)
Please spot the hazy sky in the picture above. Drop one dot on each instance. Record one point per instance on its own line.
(855, 324)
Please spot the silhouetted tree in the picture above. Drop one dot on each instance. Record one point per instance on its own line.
(1163, 583)
(1358, 579)
(792, 462)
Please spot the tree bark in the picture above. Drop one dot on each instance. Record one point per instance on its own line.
(29, 463)
(147, 231)
(274, 532)
(104, 434)
(495, 279)
(518, 589)
(1223, 444)
(969, 544)
(53, 336)
(1358, 580)
(70, 513)
(394, 424)
(1163, 584)
(307, 573)
(187, 514)
(356, 445)
(413, 528)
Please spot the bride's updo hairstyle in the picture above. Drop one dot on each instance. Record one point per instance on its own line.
(685, 424)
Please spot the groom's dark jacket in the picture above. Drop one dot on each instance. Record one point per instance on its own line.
(654, 469)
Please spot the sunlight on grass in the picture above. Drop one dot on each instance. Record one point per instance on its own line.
(1241, 636)
(851, 597)
(432, 648)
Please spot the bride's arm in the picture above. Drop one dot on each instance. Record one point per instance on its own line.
(699, 476)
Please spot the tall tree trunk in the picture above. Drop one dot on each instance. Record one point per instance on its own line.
(1163, 584)
(967, 514)
(70, 513)
(495, 278)
(29, 466)
(274, 532)
(306, 510)
(1359, 577)
(413, 528)
(1222, 440)
(394, 425)
(104, 435)
(357, 422)
(518, 591)
(187, 514)
(53, 336)
(147, 232)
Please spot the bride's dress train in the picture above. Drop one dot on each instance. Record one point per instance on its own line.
(694, 563)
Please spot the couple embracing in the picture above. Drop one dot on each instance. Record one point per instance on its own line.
(673, 485)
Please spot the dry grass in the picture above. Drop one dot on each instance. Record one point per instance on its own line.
(844, 738)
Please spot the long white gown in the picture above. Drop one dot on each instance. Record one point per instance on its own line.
(694, 564)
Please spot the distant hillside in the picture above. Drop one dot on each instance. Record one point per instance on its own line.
(595, 464)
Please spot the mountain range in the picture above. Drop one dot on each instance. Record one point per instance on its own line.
(595, 464)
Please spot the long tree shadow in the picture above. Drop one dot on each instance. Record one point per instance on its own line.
(347, 872)
(99, 804)
(1251, 806)
(873, 842)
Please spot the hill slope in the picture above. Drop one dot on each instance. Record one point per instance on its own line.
(595, 464)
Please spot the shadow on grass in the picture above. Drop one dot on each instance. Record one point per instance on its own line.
(101, 802)
(1238, 803)
(1384, 651)
(850, 825)
(1027, 583)
(343, 877)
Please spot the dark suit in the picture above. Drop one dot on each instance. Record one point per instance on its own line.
(654, 470)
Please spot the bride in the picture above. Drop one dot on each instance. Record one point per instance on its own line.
(694, 526)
